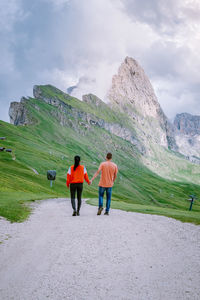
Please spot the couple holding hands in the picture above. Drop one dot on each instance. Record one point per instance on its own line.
(77, 174)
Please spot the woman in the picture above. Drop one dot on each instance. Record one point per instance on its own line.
(75, 178)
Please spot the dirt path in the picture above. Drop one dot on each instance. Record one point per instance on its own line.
(122, 256)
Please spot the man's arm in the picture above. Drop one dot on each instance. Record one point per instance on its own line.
(115, 175)
(97, 173)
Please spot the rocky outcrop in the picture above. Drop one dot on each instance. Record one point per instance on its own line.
(18, 113)
(82, 120)
(132, 93)
(187, 124)
(125, 134)
(50, 97)
(93, 100)
(187, 135)
(131, 87)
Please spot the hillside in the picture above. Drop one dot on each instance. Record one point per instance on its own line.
(53, 127)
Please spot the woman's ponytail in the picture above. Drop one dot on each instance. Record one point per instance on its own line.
(76, 161)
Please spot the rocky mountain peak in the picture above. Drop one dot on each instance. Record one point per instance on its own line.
(95, 101)
(132, 87)
(132, 93)
(18, 113)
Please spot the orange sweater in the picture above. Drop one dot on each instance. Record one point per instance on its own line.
(77, 176)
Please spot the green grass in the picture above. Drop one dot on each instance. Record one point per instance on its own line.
(47, 145)
(20, 184)
(181, 215)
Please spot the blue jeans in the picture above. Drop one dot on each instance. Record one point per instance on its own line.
(108, 196)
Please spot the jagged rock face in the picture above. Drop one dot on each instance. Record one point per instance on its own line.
(92, 99)
(132, 87)
(187, 124)
(132, 92)
(89, 120)
(188, 136)
(18, 113)
(38, 94)
(189, 146)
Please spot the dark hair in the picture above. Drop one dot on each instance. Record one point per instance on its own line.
(109, 155)
(76, 161)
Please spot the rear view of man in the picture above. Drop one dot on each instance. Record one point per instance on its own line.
(108, 175)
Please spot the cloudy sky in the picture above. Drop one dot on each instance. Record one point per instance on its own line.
(65, 42)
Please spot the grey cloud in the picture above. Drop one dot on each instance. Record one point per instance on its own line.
(162, 15)
(30, 48)
(186, 101)
(61, 42)
(176, 87)
(164, 59)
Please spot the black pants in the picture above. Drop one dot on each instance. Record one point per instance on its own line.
(76, 187)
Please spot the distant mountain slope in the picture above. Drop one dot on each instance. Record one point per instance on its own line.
(187, 124)
(188, 136)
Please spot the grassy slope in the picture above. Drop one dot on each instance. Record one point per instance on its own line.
(103, 111)
(48, 145)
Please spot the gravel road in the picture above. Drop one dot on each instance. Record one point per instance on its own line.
(122, 256)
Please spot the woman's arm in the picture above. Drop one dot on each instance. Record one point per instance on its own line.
(68, 177)
(86, 176)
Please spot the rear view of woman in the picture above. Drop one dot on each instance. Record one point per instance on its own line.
(75, 178)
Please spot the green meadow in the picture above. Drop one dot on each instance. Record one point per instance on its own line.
(47, 145)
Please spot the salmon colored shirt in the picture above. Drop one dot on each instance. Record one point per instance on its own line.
(108, 172)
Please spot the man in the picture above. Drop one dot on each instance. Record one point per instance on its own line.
(108, 175)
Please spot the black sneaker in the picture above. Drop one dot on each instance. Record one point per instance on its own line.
(74, 213)
(99, 211)
(106, 213)
(78, 213)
